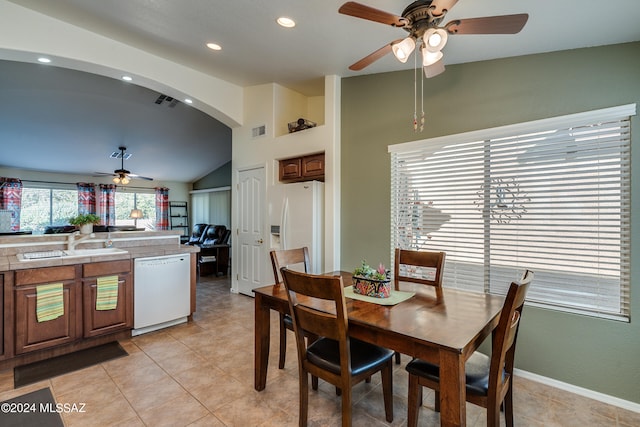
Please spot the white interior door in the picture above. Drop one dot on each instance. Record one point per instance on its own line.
(250, 238)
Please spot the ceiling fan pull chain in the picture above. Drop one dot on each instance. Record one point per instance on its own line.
(415, 95)
(421, 100)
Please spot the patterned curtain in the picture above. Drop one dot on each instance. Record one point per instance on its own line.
(108, 204)
(11, 199)
(162, 208)
(86, 198)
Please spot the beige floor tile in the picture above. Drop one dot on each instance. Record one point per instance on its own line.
(182, 411)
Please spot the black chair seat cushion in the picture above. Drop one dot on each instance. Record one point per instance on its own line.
(476, 368)
(325, 353)
(288, 321)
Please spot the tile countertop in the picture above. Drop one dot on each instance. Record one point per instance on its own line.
(138, 244)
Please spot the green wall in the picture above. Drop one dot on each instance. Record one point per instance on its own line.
(220, 177)
(377, 111)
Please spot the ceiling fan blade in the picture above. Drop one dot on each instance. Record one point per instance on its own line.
(362, 11)
(505, 24)
(373, 57)
(442, 6)
(133, 175)
(434, 69)
(103, 174)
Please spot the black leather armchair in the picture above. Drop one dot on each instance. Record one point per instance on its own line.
(198, 234)
(214, 251)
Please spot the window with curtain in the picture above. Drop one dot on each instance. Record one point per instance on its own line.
(43, 205)
(551, 195)
(145, 201)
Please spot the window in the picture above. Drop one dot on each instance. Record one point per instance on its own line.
(41, 207)
(551, 195)
(125, 202)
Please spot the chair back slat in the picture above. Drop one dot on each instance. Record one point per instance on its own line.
(295, 259)
(317, 304)
(419, 267)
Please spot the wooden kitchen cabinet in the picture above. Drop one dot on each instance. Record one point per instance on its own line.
(303, 168)
(100, 322)
(31, 335)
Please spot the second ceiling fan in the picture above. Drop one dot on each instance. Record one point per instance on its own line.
(422, 19)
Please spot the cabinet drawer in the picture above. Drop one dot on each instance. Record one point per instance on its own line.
(106, 268)
(45, 275)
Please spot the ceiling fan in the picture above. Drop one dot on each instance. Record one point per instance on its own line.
(422, 19)
(122, 176)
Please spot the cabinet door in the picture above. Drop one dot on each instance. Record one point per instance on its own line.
(32, 335)
(291, 169)
(100, 322)
(313, 166)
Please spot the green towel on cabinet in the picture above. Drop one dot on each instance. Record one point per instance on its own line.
(49, 301)
(107, 293)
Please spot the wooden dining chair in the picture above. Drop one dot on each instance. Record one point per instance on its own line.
(335, 357)
(422, 267)
(489, 380)
(285, 258)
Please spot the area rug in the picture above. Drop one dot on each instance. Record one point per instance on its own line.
(396, 297)
(35, 409)
(45, 369)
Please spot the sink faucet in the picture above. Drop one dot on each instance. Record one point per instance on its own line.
(72, 241)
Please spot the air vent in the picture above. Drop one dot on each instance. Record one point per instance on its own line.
(118, 155)
(258, 131)
(170, 101)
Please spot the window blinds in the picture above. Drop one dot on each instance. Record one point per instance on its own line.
(552, 196)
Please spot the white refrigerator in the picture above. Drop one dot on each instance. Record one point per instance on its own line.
(296, 213)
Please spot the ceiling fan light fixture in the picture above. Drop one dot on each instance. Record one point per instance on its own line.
(430, 58)
(403, 49)
(434, 39)
(124, 180)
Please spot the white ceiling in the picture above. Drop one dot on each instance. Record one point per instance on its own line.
(256, 50)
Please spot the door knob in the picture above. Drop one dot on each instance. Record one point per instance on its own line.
(259, 241)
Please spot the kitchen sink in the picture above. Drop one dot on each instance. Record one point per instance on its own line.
(74, 253)
(93, 252)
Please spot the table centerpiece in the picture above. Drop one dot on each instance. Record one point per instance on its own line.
(371, 282)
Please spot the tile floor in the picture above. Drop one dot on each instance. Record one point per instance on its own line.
(201, 374)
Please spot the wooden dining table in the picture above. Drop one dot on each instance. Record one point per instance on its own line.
(443, 327)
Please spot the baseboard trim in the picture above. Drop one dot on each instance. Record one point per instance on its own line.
(601, 397)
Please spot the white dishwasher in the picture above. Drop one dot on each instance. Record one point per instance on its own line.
(162, 292)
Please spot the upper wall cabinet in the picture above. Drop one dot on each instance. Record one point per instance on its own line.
(305, 168)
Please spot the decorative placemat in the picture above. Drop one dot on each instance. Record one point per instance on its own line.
(396, 297)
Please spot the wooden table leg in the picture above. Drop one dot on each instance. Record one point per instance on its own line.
(261, 331)
(452, 389)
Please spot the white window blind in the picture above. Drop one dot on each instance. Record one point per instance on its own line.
(552, 196)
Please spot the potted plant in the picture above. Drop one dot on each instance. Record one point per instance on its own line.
(371, 282)
(85, 222)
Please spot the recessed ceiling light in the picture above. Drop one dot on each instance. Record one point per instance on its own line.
(127, 78)
(286, 22)
(214, 46)
(188, 101)
(44, 60)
